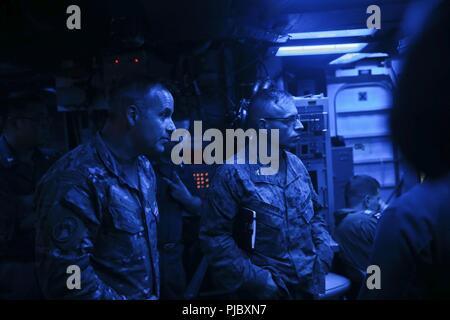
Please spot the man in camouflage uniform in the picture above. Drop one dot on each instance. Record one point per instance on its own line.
(23, 162)
(292, 250)
(97, 207)
(356, 226)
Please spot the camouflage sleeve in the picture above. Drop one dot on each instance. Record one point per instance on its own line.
(321, 237)
(66, 229)
(231, 267)
(8, 215)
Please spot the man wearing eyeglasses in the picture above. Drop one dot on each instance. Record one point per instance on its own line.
(22, 164)
(290, 252)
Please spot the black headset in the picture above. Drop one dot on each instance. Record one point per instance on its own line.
(240, 119)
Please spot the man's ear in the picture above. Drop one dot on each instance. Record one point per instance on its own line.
(366, 201)
(132, 114)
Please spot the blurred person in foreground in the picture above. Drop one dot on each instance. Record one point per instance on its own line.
(412, 244)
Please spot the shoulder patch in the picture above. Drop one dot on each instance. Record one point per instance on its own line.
(65, 229)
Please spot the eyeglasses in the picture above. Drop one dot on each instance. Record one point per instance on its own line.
(292, 120)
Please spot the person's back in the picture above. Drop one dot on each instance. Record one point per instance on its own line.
(412, 245)
(355, 226)
(355, 234)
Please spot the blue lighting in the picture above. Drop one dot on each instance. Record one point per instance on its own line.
(320, 49)
(353, 57)
(332, 34)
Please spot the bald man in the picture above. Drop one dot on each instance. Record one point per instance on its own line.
(290, 250)
(97, 212)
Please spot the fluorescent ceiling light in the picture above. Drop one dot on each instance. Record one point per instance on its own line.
(353, 57)
(320, 49)
(332, 34)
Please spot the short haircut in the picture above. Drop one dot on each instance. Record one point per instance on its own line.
(22, 103)
(132, 91)
(420, 116)
(360, 186)
(265, 97)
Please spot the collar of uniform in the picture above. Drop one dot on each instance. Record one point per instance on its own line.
(372, 213)
(110, 162)
(7, 157)
(340, 214)
(240, 160)
(256, 176)
(293, 171)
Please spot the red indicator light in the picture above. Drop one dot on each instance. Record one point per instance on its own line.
(136, 60)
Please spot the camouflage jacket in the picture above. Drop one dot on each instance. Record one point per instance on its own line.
(292, 244)
(17, 185)
(91, 217)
